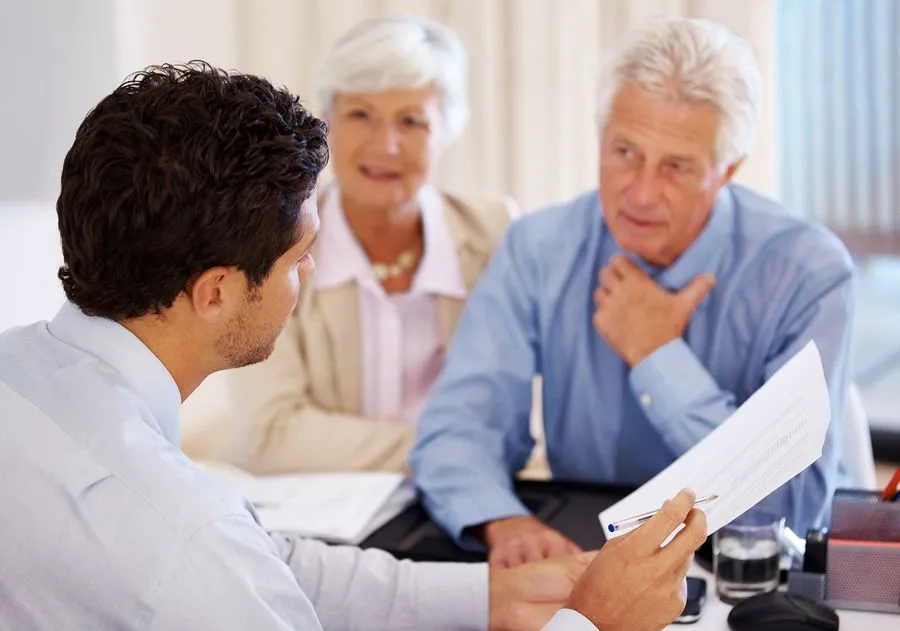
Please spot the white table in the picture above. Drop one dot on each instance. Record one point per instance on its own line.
(715, 614)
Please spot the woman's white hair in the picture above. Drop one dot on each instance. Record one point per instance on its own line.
(692, 60)
(404, 52)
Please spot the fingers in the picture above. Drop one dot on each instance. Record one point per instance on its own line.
(682, 570)
(517, 553)
(504, 557)
(536, 550)
(529, 550)
(522, 553)
(556, 545)
(681, 593)
(585, 558)
(625, 267)
(695, 291)
(600, 296)
(610, 277)
(616, 272)
(574, 565)
(562, 547)
(689, 539)
(650, 536)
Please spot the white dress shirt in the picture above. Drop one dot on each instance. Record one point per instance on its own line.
(107, 525)
(402, 353)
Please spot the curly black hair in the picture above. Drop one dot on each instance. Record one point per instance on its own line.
(182, 168)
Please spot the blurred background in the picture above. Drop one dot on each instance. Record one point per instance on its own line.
(828, 145)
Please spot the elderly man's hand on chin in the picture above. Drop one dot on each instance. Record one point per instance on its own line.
(636, 316)
(632, 584)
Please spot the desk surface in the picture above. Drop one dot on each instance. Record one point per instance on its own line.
(715, 614)
(572, 509)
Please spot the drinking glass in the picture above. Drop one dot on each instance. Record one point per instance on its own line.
(746, 555)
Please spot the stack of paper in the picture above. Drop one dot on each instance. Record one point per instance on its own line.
(335, 507)
(776, 434)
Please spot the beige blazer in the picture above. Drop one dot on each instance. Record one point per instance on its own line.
(300, 409)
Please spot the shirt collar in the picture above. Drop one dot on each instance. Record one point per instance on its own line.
(704, 253)
(118, 347)
(438, 271)
(340, 258)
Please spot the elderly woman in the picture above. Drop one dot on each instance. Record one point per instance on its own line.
(395, 259)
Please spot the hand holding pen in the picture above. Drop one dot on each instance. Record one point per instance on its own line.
(637, 520)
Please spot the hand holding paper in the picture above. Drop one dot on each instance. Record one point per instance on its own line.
(776, 434)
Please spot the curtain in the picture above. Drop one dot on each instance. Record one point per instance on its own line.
(533, 67)
(839, 95)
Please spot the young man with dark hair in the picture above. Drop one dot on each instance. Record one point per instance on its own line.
(187, 215)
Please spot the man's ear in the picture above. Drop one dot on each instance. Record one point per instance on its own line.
(216, 292)
(732, 170)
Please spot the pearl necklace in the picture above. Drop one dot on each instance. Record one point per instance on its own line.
(404, 262)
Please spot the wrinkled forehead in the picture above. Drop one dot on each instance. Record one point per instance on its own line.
(663, 125)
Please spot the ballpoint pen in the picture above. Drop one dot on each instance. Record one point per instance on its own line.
(637, 520)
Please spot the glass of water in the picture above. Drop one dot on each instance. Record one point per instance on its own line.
(746, 555)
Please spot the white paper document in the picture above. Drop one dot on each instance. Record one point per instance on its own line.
(335, 507)
(778, 432)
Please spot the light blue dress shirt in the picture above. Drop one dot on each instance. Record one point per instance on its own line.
(107, 525)
(781, 282)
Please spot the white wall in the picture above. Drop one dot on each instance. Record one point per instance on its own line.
(155, 31)
(533, 69)
(57, 59)
(29, 258)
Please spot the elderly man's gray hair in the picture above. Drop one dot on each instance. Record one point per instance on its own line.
(692, 60)
(400, 52)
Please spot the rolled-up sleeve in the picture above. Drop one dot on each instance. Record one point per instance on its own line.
(226, 576)
(355, 589)
(231, 575)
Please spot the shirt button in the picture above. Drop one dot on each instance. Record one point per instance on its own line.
(646, 400)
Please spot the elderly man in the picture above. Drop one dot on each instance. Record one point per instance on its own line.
(652, 308)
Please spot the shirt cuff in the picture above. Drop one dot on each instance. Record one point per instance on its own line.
(569, 620)
(668, 382)
(452, 596)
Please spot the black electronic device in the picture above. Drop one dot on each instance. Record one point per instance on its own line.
(776, 611)
(696, 598)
